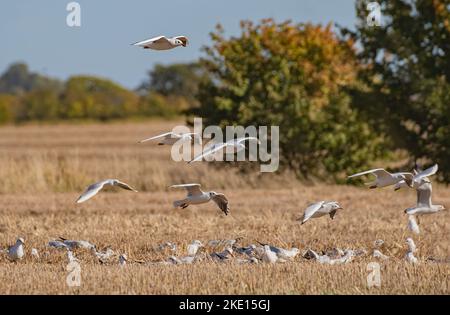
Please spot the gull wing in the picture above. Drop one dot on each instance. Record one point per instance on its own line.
(377, 172)
(424, 195)
(164, 135)
(184, 39)
(311, 209)
(214, 148)
(192, 189)
(158, 39)
(222, 203)
(125, 186)
(92, 190)
(428, 172)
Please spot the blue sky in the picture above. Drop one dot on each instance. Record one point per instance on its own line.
(36, 31)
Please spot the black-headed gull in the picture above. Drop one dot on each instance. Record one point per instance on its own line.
(93, 189)
(170, 138)
(319, 209)
(16, 251)
(163, 42)
(383, 178)
(424, 204)
(235, 144)
(197, 196)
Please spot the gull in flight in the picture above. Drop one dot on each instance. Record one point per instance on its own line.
(171, 138)
(319, 209)
(235, 144)
(163, 43)
(417, 178)
(93, 189)
(16, 251)
(424, 204)
(193, 248)
(196, 196)
(383, 178)
(411, 250)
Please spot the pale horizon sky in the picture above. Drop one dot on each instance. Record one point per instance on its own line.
(35, 32)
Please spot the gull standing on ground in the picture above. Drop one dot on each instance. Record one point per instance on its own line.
(197, 196)
(16, 251)
(319, 209)
(163, 42)
(268, 256)
(235, 144)
(193, 248)
(411, 250)
(383, 177)
(424, 204)
(223, 256)
(93, 189)
(171, 138)
(72, 244)
(282, 253)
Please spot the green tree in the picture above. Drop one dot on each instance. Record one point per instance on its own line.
(95, 98)
(290, 75)
(406, 72)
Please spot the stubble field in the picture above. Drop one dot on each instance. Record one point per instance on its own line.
(43, 169)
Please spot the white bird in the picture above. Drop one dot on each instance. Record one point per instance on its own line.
(411, 258)
(424, 204)
(16, 251)
(417, 178)
(235, 144)
(163, 42)
(412, 224)
(123, 260)
(171, 138)
(35, 253)
(268, 255)
(383, 178)
(379, 254)
(411, 245)
(193, 248)
(73, 244)
(93, 189)
(319, 209)
(196, 196)
(282, 253)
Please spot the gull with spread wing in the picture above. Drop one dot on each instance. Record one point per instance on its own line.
(417, 178)
(319, 209)
(424, 204)
(196, 196)
(235, 144)
(93, 189)
(383, 178)
(171, 138)
(163, 42)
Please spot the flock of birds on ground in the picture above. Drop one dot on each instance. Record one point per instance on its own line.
(232, 249)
